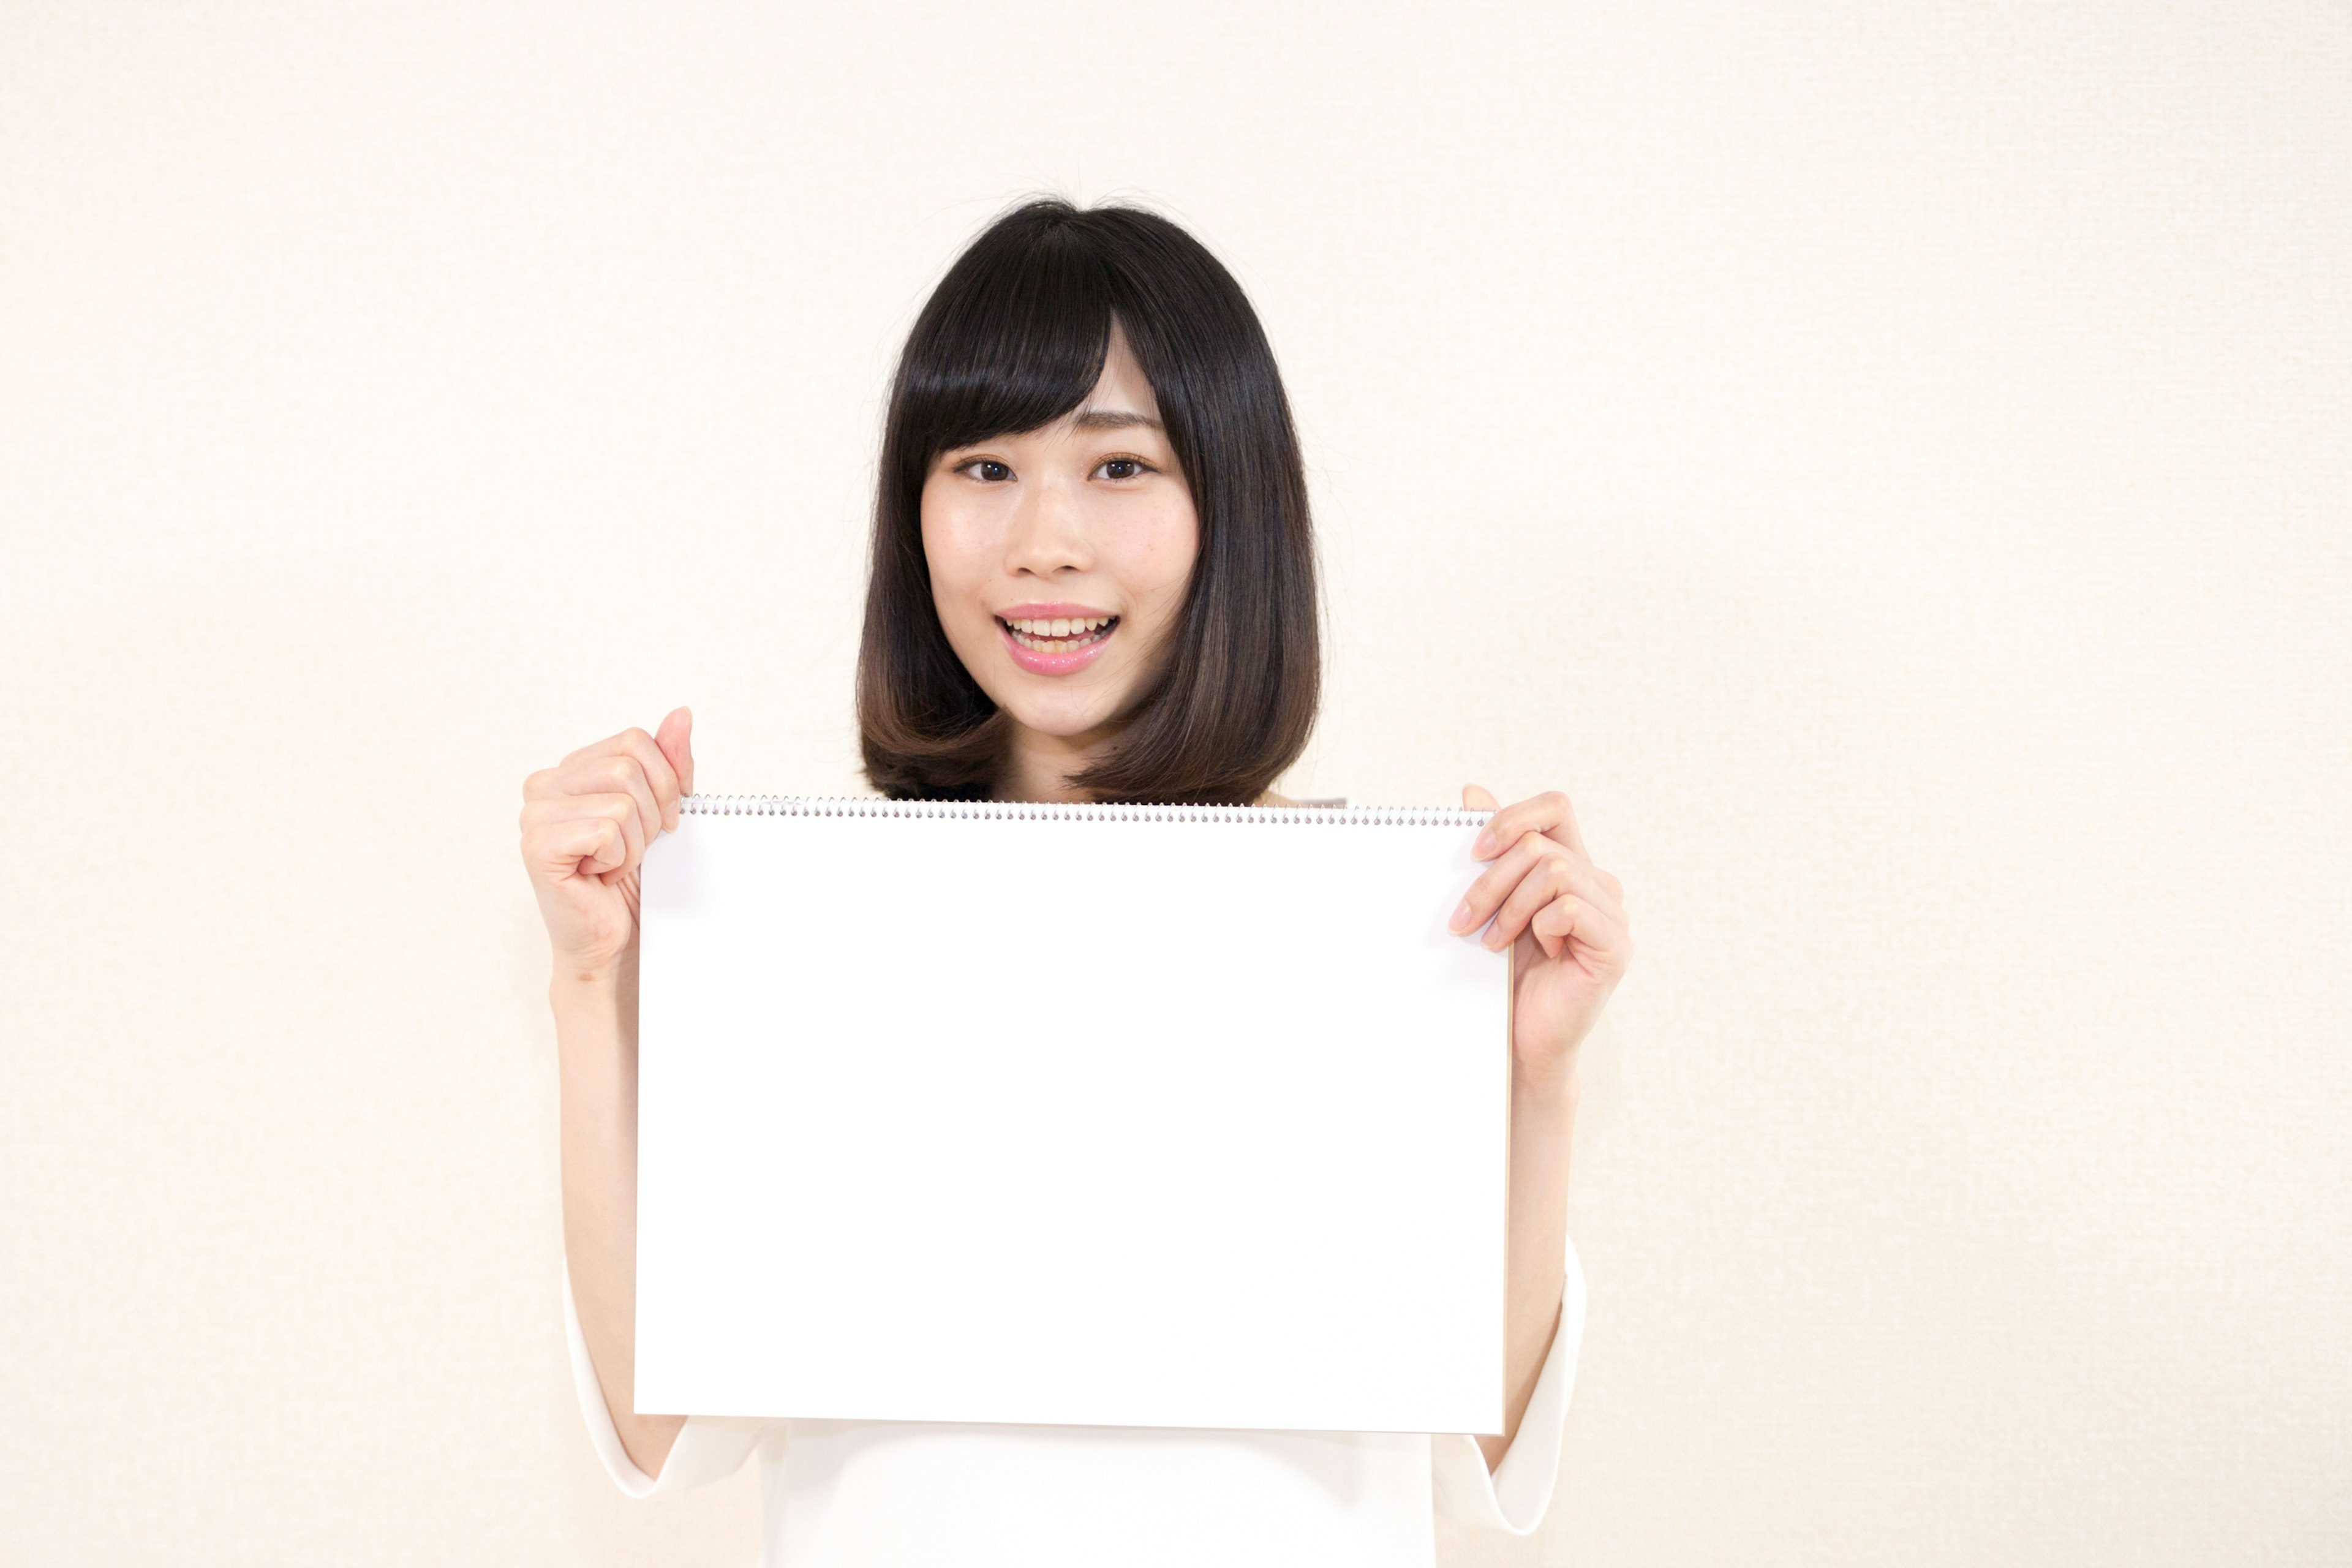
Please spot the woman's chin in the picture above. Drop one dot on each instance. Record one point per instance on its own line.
(1072, 722)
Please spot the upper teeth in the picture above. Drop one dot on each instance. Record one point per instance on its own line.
(1060, 628)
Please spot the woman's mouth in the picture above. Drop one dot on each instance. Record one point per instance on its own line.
(1058, 645)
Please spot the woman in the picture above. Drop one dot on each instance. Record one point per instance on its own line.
(1092, 579)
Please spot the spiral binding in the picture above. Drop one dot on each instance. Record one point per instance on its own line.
(1054, 811)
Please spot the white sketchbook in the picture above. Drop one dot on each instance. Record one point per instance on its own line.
(1126, 1116)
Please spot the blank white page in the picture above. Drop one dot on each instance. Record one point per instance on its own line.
(1108, 1116)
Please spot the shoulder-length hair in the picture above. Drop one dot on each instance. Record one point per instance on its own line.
(1013, 338)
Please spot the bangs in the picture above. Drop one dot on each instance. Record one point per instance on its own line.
(1015, 339)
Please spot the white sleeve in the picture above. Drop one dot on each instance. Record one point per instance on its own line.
(709, 1449)
(1514, 1497)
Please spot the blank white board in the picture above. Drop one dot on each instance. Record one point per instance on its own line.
(1109, 1116)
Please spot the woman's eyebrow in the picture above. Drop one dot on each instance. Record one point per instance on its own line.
(1111, 419)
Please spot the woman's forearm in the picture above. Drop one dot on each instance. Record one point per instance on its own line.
(596, 1040)
(1542, 1119)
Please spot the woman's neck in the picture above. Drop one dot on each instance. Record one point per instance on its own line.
(1037, 766)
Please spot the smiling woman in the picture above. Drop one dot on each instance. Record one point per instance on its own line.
(1093, 578)
(1087, 426)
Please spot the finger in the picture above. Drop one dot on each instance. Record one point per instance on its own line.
(555, 817)
(661, 776)
(1495, 883)
(1548, 813)
(1603, 946)
(1549, 879)
(620, 773)
(634, 742)
(623, 811)
(661, 773)
(661, 782)
(1477, 799)
(1529, 865)
(1523, 887)
(584, 846)
(675, 738)
(608, 746)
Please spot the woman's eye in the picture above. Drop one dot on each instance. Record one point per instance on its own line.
(1120, 469)
(984, 468)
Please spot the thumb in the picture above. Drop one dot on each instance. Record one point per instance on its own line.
(1477, 799)
(675, 740)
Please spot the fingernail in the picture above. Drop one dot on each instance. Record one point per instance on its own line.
(1485, 846)
(1461, 920)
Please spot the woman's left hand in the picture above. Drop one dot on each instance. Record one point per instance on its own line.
(1567, 917)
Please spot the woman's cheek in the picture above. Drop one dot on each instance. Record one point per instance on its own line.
(955, 586)
(1157, 586)
(1169, 544)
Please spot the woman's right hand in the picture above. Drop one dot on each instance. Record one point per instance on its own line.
(585, 824)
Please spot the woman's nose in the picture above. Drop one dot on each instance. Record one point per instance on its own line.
(1048, 532)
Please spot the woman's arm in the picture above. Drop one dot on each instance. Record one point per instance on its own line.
(596, 1047)
(585, 825)
(1568, 919)
(1541, 1121)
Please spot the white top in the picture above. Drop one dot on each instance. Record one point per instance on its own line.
(861, 1494)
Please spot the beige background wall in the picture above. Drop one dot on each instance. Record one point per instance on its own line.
(1889, 464)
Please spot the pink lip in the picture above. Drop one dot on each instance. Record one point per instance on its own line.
(1048, 611)
(1037, 663)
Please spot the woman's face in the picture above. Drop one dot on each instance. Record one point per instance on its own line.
(1059, 557)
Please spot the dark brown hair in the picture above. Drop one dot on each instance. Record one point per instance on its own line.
(1013, 338)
